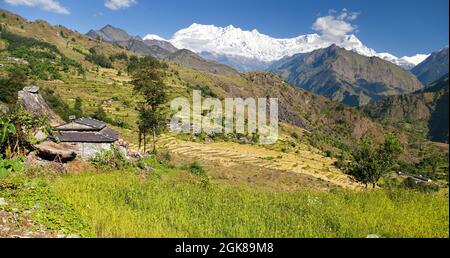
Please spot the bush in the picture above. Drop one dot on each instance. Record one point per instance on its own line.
(99, 59)
(411, 183)
(110, 159)
(10, 86)
(197, 169)
(57, 104)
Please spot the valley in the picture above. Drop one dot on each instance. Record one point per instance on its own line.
(332, 101)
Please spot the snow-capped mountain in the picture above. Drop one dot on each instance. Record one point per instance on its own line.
(406, 62)
(250, 50)
(153, 37)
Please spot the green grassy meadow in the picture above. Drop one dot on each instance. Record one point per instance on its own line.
(173, 203)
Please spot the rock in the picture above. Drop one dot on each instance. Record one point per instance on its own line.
(3, 202)
(244, 140)
(147, 169)
(52, 151)
(35, 104)
(40, 136)
(373, 236)
(32, 89)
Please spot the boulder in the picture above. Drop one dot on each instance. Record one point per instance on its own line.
(53, 151)
(35, 104)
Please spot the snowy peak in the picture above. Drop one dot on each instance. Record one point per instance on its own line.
(229, 42)
(153, 37)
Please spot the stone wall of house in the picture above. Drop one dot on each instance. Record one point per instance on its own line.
(88, 150)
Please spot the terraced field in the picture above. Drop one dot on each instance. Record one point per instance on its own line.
(227, 154)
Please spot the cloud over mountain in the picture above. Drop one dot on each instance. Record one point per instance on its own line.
(48, 5)
(336, 25)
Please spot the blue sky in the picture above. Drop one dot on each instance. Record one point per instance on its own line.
(400, 27)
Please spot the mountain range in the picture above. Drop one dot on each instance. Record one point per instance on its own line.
(347, 71)
(346, 76)
(120, 37)
(252, 50)
(433, 68)
(326, 121)
(426, 108)
(248, 50)
(153, 45)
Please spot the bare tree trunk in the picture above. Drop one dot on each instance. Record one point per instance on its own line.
(154, 140)
(367, 186)
(374, 185)
(145, 142)
(140, 140)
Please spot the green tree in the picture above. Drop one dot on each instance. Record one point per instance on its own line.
(11, 85)
(78, 107)
(148, 80)
(369, 164)
(100, 114)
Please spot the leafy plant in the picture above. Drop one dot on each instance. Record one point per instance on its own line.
(6, 128)
(110, 159)
(8, 166)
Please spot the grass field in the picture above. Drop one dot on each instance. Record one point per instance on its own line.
(173, 203)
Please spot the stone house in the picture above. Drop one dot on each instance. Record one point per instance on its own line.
(88, 136)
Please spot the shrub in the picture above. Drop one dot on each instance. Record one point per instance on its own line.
(197, 169)
(110, 159)
(411, 183)
(8, 166)
(98, 59)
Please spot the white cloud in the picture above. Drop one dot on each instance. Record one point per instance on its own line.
(119, 4)
(48, 5)
(336, 25)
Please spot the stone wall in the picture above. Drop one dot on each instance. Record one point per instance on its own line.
(88, 150)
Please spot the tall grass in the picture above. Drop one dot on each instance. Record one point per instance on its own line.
(120, 204)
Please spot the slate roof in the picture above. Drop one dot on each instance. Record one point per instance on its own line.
(104, 136)
(99, 133)
(91, 122)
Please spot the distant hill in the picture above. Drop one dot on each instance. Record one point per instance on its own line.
(346, 76)
(192, 60)
(72, 44)
(433, 68)
(109, 34)
(160, 49)
(136, 44)
(427, 108)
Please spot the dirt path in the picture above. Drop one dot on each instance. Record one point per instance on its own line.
(229, 154)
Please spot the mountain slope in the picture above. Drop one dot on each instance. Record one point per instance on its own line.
(428, 108)
(136, 44)
(252, 50)
(433, 67)
(109, 34)
(161, 49)
(162, 44)
(346, 76)
(192, 60)
(70, 43)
